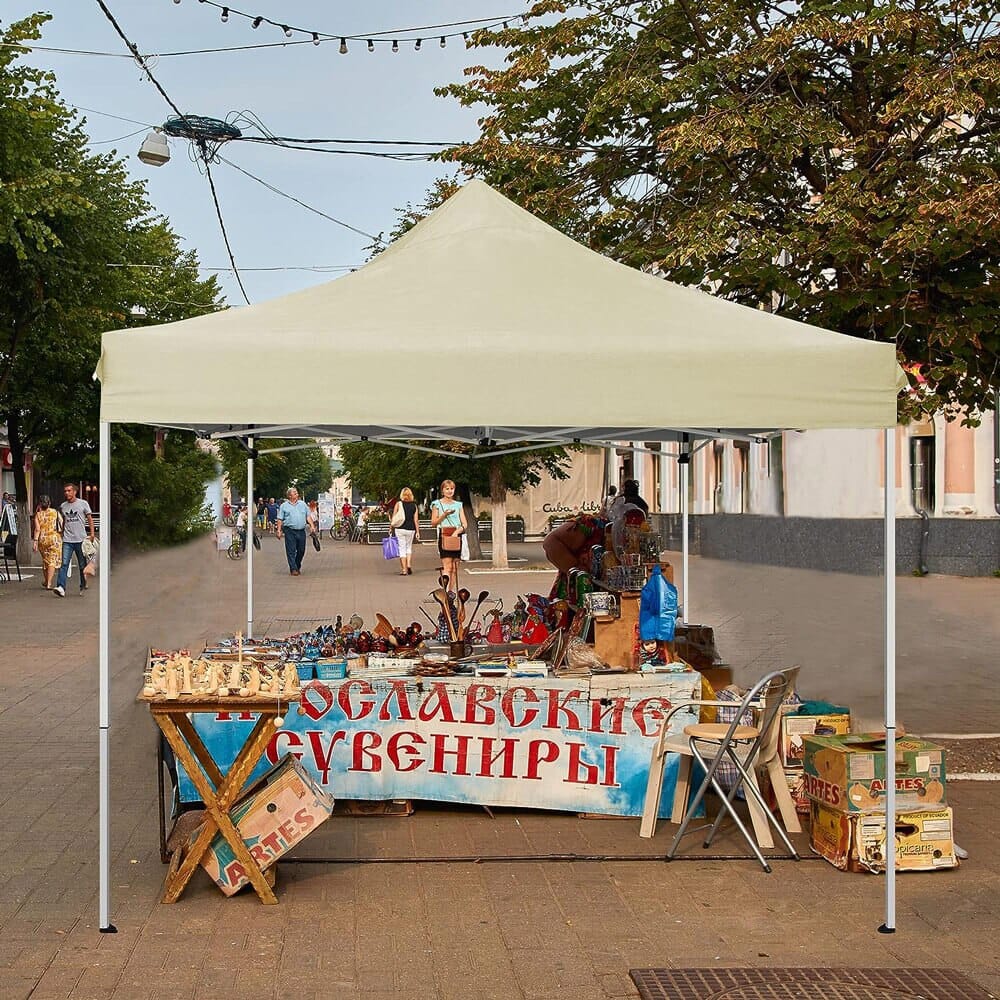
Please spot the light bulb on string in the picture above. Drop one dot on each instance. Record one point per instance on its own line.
(395, 45)
(225, 14)
(505, 26)
(343, 46)
(256, 22)
(177, 1)
(371, 45)
(443, 43)
(465, 35)
(315, 38)
(286, 30)
(417, 46)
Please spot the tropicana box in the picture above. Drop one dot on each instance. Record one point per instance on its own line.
(278, 811)
(923, 839)
(847, 773)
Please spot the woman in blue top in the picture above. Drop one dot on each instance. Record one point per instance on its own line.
(448, 517)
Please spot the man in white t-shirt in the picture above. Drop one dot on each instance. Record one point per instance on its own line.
(78, 523)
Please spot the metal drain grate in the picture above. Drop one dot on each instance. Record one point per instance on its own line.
(805, 984)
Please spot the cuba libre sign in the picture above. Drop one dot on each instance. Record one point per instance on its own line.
(587, 507)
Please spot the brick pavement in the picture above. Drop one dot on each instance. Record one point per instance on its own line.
(510, 929)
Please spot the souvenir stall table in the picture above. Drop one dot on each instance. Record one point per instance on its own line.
(580, 743)
(435, 297)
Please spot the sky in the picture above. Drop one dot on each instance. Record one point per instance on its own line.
(295, 90)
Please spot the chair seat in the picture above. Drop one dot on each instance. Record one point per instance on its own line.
(718, 730)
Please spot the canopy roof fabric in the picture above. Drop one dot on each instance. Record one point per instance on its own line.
(482, 315)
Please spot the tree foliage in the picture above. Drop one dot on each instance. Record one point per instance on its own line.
(834, 160)
(68, 217)
(307, 469)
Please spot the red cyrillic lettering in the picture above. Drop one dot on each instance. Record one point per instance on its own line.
(557, 707)
(576, 766)
(474, 700)
(598, 713)
(507, 706)
(540, 752)
(400, 693)
(436, 703)
(488, 758)
(315, 710)
(657, 714)
(461, 754)
(344, 699)
(364, 744)
(610, 753)
(394, 748)
(294, 740)
(229, 716)
(321, 759)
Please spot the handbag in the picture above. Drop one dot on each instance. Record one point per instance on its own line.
(398, 516)
(390, 547)
(315, 541)
(451, 541)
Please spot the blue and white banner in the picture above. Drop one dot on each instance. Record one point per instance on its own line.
(580, 745)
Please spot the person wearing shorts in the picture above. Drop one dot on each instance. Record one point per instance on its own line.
(408, 530)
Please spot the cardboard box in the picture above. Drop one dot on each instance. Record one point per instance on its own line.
(281, 809)
(924, 840)
(794, 727)
(847, 773)
(795, 778)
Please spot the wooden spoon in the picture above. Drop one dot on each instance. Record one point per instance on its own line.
(483, 594)
(441, 596)
(463, 596)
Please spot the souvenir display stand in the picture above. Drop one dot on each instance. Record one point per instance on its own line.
(218, 786)
(691, 368)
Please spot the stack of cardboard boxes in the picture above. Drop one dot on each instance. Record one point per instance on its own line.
(794, 728)
(844, 779)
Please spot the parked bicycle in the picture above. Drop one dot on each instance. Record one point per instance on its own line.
(344, 527)
(239, 544)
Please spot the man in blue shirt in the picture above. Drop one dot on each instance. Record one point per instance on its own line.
(293, 517)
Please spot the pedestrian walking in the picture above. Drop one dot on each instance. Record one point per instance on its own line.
(407, 528)
(48, 540)
(78, 524)
(293, 522)
(272, 514)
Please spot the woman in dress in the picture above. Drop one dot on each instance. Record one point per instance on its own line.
(448, 517)
(406, 527)
(48, 540)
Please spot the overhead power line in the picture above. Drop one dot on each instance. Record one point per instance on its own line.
(284, 194)
(208, 170)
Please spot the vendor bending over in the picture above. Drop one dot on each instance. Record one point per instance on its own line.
(568, 546)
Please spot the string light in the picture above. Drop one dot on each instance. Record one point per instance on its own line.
(395, 45)
(315, 38)
(290, 30)
(343, 46)
(416, 48)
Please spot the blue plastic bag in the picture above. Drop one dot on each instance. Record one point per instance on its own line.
(658, 608)
(390, 548)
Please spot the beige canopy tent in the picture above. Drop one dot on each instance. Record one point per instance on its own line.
(484, 324)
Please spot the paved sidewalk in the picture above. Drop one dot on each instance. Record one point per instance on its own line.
(456, 930)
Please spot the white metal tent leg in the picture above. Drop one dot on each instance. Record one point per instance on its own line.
(104, 686)
(251, 523)
(889, 926)
(685, 464)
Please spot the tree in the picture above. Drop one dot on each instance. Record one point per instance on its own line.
(383, 470)
(833, 160)
(65, 216)
(305, 468)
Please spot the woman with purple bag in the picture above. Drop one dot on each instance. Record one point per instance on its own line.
(404, 523)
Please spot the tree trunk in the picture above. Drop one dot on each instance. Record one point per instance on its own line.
(498, 497)
(23, 507)
(465, 495)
